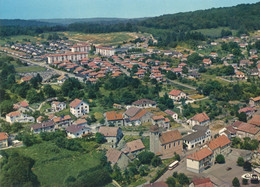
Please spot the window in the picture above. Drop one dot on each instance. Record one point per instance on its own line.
(170, 145)
(165, 147)
(179, 142)
(192, 146)
(174, 144)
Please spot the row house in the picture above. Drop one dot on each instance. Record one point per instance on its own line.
(47, 126)
(77, 56)
(62, 122)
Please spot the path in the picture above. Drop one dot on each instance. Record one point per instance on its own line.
(181, 84)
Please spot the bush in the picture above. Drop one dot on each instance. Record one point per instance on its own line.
(171, 182)
(240, 161)
(245, 182)
(236, 182)
(156, 161)
(145, 157)
(220, 159)
(247, 166)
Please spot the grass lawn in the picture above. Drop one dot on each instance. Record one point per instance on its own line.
(53, 165)
(44, 107)
(20, 38)
(27, 69)
(56, 87)
(214, 32)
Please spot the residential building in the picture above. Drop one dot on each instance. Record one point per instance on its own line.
(144, 103)
(161, 121)
(177, 95)
(61, 79)
(199, 160)
(19, 117)
(202, 182)
(80, 48)
(143, 116)
(200, 136)
(207, 61)
(248, 110)
(62, 122)
(248, 130)
(3, 139)
(26, 79)
(112, 134)
(134, 147)
(47, 126)
(172, 114)
(57, 106)
(105, 51)
(199, 119)
(255, 120)
(220, 145)
(80, 122)
(166, 143)
(75, 131)
(114, 118)
(77, 56)
(156, 184)
(78, 107)
(117, 157)
(22, 106)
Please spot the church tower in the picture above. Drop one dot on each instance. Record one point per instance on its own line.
(154, 139)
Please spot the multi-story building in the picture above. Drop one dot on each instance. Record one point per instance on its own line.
(77, 56)
(47, 126)
(57, 106)
(79, 108)
(114, 118)
(74, 131)
(199, 119)
(19, 117)
(80, 48)
(62, 122)
(200, 135)
(3, 139)
(112, 134)
(105, 51)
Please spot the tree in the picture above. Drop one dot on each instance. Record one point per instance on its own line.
(156, 161)
(245, 181)
(240, 161)
(236, 182)
(242, 117)
(6, 107)
(145, 157)
(183, 179)
(116, 173)
(185, 70)
(247, 166)
(171, 182)
(171, 75)
(220, 159)
(100, 138)
(177, 157)
(49, 91)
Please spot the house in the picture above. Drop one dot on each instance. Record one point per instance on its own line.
(214, 55)
(117, 157)
(239, 75)
(105, 51)
(247, 130)
(207, 61)
(78, 107)
(254, 101)
(249, 111)
(166, 143)
(199, 160)
(62, 122)
(131, 112)
(19, 117)
(161, 121)
(112, 134)
(255, 120)
(172, 114)
(143, 116)
(220, 145)
(177, 95)
(202, 182)
(57, 106)
(22, 106)
(75, 131)
(134, 147)
(199, 119)
(47, 126)
(144, 103)
(200, 136)
(3, 139)
(80, 122)
(26, 79)
(156, 184)
(61, 79)
(114, 118)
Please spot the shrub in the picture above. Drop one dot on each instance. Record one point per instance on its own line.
(236, 182)
(220, 159)
(240, 161)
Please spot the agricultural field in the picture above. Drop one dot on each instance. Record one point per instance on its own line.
(28, 69)
(214, 32)
(106, 38)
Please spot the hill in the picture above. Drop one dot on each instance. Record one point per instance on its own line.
(24, 23)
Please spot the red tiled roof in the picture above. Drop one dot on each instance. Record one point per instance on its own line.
(80, 121)
(220, 141)
(3, 136)
(113, 155)
(27, 78)
(138, 115)
(112, 116)
(201, 154)
(157, 117)
(249, 128)
(200, 117)
(143, 101)
(58, 119)
(256, 98)
(12, 114)
(246, 109)
(255, 120)
(75, 103)
(170, 136)
(206, 182)
(174, 92)
(133, 146)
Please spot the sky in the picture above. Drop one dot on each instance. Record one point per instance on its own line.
(47, 9)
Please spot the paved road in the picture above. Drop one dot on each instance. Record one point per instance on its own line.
(43, 64)
(181, 84)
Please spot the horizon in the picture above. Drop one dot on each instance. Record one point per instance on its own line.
(64, 9)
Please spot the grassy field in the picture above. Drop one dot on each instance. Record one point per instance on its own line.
(20, 38)
(27, 69)
(53, 165)
(214, 32)
(106, 38)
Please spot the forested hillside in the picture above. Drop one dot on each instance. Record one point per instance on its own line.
(168, 29)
